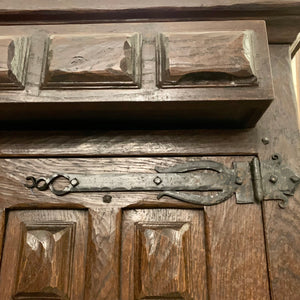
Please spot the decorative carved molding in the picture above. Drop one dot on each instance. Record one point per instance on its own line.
(206, 59)
(14, 51)
(93, 61)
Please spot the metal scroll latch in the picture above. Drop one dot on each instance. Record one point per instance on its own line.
(248, 181)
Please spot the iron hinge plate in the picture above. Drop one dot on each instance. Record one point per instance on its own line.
(250, 182)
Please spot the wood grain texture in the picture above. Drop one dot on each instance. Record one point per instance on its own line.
(44, 255)
(14, 53)
(92, 61)
(103, 271)
(282, 226)
(206, 59)
(163, 255)
(130, 143)
(237, 260)
(149, 104)
(282, 16)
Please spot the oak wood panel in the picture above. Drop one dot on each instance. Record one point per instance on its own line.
(93, 61)
(277, 124)
(103, 271)
(14, 52)
(44, 255)
(163, 254)
(132, 142)
(237, 260)
(149, 104)
(282, 16)
(282, 226)
(203, 59)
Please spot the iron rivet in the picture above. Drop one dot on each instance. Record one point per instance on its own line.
(265, 140)
(157, 180)
(238, 180)
(273, 178)
(74, 182)
(107, 198)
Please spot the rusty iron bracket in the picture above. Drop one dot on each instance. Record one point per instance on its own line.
(250, 182)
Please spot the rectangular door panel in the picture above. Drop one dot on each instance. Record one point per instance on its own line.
(163, 254)
(44, 255)
(167, 72)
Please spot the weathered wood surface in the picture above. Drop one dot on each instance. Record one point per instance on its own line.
(13, 193)
(14, 52)
(242, 275)
(76, 61)
(213, 226)
(282, 226)
(133, 142)
(282, 16)
(163, 254)
(103, 271)
(170, 142)
(44, 254)
(206, 59)
(149, 104)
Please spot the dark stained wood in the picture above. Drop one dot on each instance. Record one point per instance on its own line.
(163, 254)
(105, 230)
(133, 142)
(103, 271)
(44, 255)
(93, 61)
(14, 52)
(150, 105)
(203, 59)
(238, 263)
(282, 16)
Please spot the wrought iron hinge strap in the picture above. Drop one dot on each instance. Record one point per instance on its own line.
(256, 184)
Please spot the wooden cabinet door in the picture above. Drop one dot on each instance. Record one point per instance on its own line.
(126, 245)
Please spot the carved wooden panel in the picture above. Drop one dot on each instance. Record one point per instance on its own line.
(92, 61)
(14, 52)
(108, 72)
(44, 255)
(198, 59)
(163, 254)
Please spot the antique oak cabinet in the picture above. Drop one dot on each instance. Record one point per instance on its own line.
(148, 150)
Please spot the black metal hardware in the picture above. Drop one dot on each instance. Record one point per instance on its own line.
(255, 181)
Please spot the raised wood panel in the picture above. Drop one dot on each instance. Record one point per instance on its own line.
(204, 59)
(68, 75)
(163, 254)
(44, 255)
(103, 271)
(77, 61)
(14, 51)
